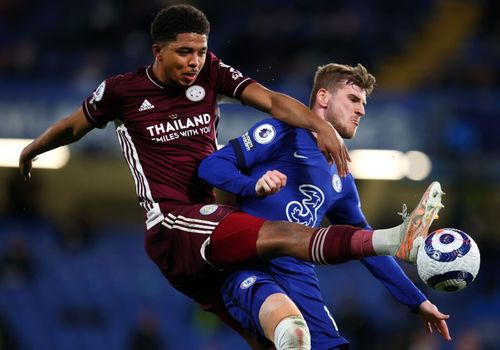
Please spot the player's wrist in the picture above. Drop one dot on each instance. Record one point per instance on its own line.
(27, 154)
(322, 126)
(417, 307)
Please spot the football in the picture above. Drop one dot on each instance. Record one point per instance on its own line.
(448, 260)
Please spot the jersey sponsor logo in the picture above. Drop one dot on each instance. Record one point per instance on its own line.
(208, 209)
(264, 134)
(247, 141)
(195, 93)
(98, 94)
(146, 105)
(336, 183)
(182, 127)
(297, 155)
(235, 74)
(305, 211)
(248, 282)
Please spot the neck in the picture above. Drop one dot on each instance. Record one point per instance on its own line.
(158, 72)
(319, 111)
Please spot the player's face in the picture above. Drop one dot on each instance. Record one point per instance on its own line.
(179, 62)
(345, 108)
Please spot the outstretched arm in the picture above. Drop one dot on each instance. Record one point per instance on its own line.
(434, 319)
(292, 112)
(386, 269)
(63, 132)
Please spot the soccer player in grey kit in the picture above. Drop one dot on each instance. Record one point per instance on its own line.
(166, 118)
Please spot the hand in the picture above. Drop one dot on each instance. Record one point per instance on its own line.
(333, 147)
(433, 318)
(271, 182)
(25, 164)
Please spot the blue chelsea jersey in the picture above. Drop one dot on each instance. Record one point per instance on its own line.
(313, 189)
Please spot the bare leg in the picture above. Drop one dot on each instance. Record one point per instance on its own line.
(283, 323)
(275, 308)
(241, 237)
(280, 238)
(335, 244)
(329, 245)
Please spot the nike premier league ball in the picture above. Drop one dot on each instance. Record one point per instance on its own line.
(448, 260)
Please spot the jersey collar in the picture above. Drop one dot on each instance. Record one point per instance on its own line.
(154, 80)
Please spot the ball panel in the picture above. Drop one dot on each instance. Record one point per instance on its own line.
(448, 260)
(447, 245)
(450, 281)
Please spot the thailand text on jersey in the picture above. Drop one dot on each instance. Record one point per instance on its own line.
(165, 131)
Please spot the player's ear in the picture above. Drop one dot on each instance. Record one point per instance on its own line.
(156, 48)
(322, 97)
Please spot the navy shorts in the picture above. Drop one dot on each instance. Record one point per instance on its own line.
(245, 291)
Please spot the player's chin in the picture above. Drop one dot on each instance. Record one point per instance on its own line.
(188, 80)
(351, 133)
(185, 83)
(348, 134)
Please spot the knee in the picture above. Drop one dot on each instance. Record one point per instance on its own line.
(292, 333)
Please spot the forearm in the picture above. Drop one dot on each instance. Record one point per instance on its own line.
(282, 107)
(63, 132)
(230, 179)
(295, 113)
(55, 136)
(387, 271)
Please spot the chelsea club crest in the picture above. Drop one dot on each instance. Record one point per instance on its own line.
(336, 183)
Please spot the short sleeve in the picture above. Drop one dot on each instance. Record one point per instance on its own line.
(230, 81)
(103, 105)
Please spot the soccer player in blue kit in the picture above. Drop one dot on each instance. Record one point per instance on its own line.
(165, 118)
(279, 173)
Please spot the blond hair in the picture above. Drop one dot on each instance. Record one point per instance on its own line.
(331, 75)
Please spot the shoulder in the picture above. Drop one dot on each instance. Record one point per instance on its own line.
(215, 65)
(275, 125)
(211, 57)
(269, 130)
(212, 62)
(139, 74)
(122, 81)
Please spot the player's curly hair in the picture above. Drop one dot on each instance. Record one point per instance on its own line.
(331, 75)
(178, 19)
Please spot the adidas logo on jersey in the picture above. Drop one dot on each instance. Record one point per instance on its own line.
(145, 106)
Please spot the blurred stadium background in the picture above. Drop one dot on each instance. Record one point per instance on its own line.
(73, 271)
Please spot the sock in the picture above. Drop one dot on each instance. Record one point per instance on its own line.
(292, 333)
(340, 243)
(387, 241)
(362, 244)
